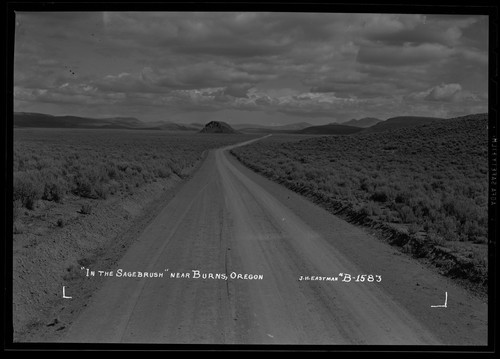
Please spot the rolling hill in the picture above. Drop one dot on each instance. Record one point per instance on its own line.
(400, 122)
(244, 126)
(330, 129)
(362, 122)
(169, 126)
(30, 119)
(217, 127)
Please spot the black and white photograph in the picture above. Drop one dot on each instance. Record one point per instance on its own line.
(322, 179)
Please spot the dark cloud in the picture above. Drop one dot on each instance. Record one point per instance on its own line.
(406, 55)
(442, 30)
(419, 35)
(127, 83)
(238, 90)
(204, 75)
(345, 64)
(358, 89)
(246, 50)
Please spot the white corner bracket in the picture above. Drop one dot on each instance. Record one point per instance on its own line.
(64, 294)
(445, 305)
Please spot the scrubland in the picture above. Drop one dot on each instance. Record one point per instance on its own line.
(426, 187)
(52, 163)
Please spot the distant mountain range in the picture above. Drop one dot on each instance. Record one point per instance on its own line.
(170, 126)
(362, 122)
(354, 126)
(303, 128)
(197, 125)
(363, 125)
(28, 119)
(248, 127)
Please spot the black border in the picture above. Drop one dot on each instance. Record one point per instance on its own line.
(424, 7)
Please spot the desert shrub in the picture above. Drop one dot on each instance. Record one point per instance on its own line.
(122, 166)
(174, 167)
(311, 174)
(90, 182)
(481, 200)
(19, 165)
(86, 209)
(386, 215)
(113, 187)
(413, 229)
(447, 228)
(371, 209)
(379, 196)
(54, 189)
(137, 168)
(480, 240)
(472, 231)
(438, 185)
(147, 176)
(366, 185)
(101, 190)
(461, 209)
(327, 187)
(113, 172)
(434, 238)
(406, 214)
(27, 189)
(341, 183)
(17, 228)
(403, 197)
(84, 187)
(42, 163)
(164, 172)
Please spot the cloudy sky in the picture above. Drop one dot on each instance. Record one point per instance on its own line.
(273, 68)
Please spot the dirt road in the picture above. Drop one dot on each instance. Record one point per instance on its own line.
(228, 221)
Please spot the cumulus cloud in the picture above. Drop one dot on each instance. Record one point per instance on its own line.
(347, 64)
(126, 82)
(420, 29)
(376, 26)
(452, 92)
(444, 92)
(201, 75)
